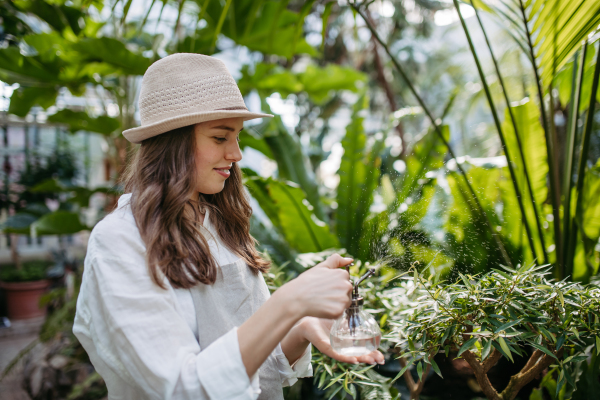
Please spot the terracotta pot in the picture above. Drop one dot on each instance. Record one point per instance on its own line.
(23, 298)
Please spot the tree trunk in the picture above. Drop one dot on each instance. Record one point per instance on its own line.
(14, 250)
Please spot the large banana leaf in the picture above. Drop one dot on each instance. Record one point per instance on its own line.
(58, 223)
(81, 121)
(556, 27)
(359, 176)
(24, 98)
(318, 82)
(113, 52)
(586, 259)
(564, 80)
(264, 26)
(533, 141)
(292, 162)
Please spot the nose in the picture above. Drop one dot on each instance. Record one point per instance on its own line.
(234, 153)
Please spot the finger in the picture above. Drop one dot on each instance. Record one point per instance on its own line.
(379, 357)
(336, 261)
(326, 349)
(342, 358)
(367, 359)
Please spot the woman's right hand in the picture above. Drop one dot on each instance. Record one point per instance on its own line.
(323, 291)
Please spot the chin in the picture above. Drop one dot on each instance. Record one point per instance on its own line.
(212, 190)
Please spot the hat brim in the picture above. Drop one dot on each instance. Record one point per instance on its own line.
(137, 135)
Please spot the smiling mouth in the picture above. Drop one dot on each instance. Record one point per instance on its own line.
(224, 172)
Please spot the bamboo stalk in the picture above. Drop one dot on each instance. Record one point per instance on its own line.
(554, 194)
(486, 88)
(421, 102)
(568, 181)
(519, 144)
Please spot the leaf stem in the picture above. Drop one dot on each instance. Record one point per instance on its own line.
(554, 193)
(569, 162)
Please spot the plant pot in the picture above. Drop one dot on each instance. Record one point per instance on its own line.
(23, 298)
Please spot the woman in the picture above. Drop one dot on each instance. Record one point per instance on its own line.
(173, 304)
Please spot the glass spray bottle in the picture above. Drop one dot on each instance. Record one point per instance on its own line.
(356, 332)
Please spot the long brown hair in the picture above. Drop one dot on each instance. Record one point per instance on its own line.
(162, 178)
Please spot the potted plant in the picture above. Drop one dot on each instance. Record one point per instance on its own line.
(24, 284)
(504, 314)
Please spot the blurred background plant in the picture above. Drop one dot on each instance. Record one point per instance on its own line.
(392, 147)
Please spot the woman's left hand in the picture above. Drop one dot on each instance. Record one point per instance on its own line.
(316, 331)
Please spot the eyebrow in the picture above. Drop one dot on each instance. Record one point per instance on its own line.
(226, 128)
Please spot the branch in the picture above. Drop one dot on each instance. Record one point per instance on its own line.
(535, 356)
(417, 392)
(521, 379)
(481, 376)
(410, 382)
(415, 388)
(386, 86)
(491, 360)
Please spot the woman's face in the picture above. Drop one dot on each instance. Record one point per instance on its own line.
(216, 150)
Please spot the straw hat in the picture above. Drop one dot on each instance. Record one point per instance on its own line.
(185, 89)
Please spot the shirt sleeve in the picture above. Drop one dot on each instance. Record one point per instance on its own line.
(302, 368)
(130, 327)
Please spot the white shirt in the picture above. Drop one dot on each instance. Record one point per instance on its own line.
(143, 339)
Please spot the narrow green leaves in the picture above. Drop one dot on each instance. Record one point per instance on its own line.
(402, 371)
(505, 348)
(466, 346)
(435, 367)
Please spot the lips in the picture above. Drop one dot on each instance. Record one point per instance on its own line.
(223, 171)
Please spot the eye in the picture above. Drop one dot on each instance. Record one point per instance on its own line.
(220, 139)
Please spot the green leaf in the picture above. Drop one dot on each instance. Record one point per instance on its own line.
(292, 163)
(447, 333)
(466, 346)
(402, 371)
(319, 82)
(560, 341)
(544, 350)
(325, 19)
(16, 68)
(435, 367)
(113, 52)
(303, 230)
(420, 370)
(486, 349)
(18, 223)
(81, 121)
(547, 334)
(597, 345)
(533, 140)
(272, 32)
(24, 98)
(359, 176)
(507, 325)
(247, 139)
(59, 223)
(505, 347)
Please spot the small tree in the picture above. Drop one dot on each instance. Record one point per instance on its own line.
(501, 314)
